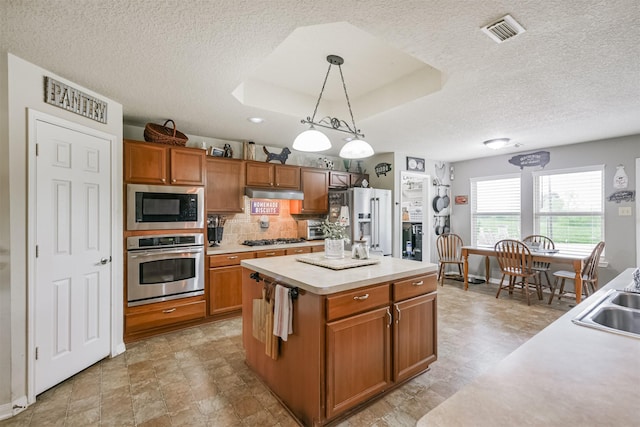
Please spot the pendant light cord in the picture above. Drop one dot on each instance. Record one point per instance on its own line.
(355, 130)
(315, 110)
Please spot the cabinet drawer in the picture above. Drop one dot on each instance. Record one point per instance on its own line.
(357, 301)
(164, 314)
(296, 251)
(269, 253)
(415, 286)
(229, 259)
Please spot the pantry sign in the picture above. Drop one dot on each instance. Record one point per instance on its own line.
(265, 207)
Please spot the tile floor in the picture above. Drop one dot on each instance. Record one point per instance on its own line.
(197, 377)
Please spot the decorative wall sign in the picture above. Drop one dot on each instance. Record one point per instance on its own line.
(382, 169)
(74, 100)
(461, 200)
(622, 196)
(415, 164)
(539, 158)
(265, 207)
(620, 179)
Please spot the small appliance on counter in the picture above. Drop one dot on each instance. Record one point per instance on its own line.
(215, 229)
(310, 229)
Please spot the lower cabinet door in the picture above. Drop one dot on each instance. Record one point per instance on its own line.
(414, 336)
(358, 359)
(225, 289)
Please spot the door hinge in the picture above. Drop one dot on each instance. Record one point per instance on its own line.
(37, 251)
(37, 352)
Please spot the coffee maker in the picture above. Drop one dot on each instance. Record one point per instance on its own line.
(214, 229)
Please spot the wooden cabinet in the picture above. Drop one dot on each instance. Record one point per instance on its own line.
(225, 185)
(270, 252)
(414, 336)
(414, 325)
(357, 178)
(150, 319)
(315, 186)
(225, 282)
(317, 248)
(148, 163)
(348, 347)
(297, 251)
(259, 174)
(339, 179)
(358, 359)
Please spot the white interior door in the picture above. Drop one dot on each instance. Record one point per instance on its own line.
(73, 252)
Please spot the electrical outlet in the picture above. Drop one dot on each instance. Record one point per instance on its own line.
(624, 211)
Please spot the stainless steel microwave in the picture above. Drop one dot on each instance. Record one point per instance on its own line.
(164, 207)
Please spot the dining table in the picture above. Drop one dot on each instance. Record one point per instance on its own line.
(549, 256)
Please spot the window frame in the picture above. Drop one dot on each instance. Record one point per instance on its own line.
(602, 213)
(473, 211)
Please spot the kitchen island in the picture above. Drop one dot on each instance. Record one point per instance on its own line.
(566, 375)
(357, 332)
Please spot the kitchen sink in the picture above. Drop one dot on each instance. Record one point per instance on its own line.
(617, 311)
(627, 299)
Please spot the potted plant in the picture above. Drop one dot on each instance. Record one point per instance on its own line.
(335, 235)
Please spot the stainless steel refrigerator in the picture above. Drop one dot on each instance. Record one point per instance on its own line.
(370, 218)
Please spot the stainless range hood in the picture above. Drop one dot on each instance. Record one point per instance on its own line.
(273, 193)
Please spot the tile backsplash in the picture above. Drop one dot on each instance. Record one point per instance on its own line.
(244, 226)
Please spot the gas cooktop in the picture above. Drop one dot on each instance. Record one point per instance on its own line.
(266, 242)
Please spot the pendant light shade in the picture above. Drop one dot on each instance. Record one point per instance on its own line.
(311, 140)
(356, 149)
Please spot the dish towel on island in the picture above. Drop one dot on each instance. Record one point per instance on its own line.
(282, 313)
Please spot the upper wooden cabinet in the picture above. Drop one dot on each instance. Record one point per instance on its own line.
(225, 185)
(149, 163)
(339, 179)
(262, 174)
(314, 183)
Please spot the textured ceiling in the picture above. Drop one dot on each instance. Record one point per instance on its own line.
(573, 76)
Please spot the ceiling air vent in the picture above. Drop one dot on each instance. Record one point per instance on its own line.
(504, 29)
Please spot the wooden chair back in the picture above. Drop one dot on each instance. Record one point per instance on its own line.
(543, 242)
(449, 247)
(514, 257)
(590, 269)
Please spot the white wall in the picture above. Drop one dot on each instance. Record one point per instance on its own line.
(25, 89)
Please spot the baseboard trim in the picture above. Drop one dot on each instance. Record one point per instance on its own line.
(9, 410)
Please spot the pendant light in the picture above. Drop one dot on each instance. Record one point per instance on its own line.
(313, 140)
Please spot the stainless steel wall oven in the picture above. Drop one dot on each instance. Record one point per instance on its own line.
(164, 267)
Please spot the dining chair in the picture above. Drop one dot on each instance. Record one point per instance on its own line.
(540, 242)
(589, 275)
(515, 261)
(449, 252)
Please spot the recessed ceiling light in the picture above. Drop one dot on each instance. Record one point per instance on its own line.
(256, 119)
(497, 143)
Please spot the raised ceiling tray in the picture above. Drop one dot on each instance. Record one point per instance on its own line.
(336, 264)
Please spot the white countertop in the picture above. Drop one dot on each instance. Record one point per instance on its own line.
(229, 249)
(325, 281)
(566, 375)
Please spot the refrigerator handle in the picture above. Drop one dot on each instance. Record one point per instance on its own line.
(376, 221)
(372, 209)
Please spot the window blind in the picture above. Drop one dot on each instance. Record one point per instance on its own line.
(495, 209)
(569, 208)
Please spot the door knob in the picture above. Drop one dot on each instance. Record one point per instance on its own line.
(104, 261)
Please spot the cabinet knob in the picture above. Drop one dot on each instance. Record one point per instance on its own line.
(361, 297)
(173, 180)
(170, 310)
(164, 180)
(232, 257)
(420, 283)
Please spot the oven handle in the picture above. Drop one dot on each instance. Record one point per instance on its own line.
(183, 250)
